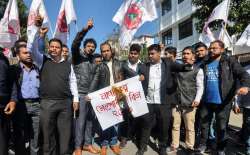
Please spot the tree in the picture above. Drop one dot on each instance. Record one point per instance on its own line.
(23, 14)
(239, 15)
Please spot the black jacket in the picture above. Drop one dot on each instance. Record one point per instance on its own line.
(128, 72)
(8, 90)
(102, 75)
(230, 71)
(167, 84)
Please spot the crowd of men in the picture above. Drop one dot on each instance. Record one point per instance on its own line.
(44, 99)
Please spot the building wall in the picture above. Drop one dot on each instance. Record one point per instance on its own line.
(171, 20)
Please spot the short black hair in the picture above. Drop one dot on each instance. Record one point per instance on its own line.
(155, 47)
(97, 55)
(64, 45)
(135, 47)
(200, 44)
(56, 40)
(19, 47)
(189, 48)
(171, 50)
(221, 44)
(89, 40)
(105, 43)
(19, 41)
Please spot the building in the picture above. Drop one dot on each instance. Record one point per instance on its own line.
(177, 27)
(122, 53)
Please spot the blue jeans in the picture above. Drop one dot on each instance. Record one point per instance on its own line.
(246, 128)
(109, 137)
(83, 124)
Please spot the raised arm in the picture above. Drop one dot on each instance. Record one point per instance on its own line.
(37, 47)
(75, 48)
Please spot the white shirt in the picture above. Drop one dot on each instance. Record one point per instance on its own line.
(154, 85)
(38, 57)
(133, 66)
(199, 85)
(111, 72)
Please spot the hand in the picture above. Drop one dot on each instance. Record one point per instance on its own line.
(87, 98)
(195, 104)
(75, 106)
(236, 110)
(9, 108)
(39, 21)
(141, 78)
(43, 31)
(242, 91)
(89, 25)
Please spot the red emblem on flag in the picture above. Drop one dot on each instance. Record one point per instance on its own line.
(62, 23)
(133, 17)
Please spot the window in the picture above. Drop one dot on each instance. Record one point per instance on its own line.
(167, 37)
(179, 1)
(186, 29)
(165, 6)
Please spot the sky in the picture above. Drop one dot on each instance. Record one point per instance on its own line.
(102, 12)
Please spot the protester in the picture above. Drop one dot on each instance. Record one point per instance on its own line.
(8, 100)
(108, 73)
(130, 69)
(65, 52)
(244, 102)
(97, 58)
(58, 86)
(170, 52)
(158, 79)
(221, 74)
(189, 92)
(84, 69)
(26, 117)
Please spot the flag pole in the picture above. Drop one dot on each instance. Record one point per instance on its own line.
(224, 26)
(76, 26)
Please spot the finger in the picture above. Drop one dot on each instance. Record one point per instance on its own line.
(6, 108)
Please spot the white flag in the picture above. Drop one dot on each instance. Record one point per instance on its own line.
(37, 8)
(66, 16)
(220, 12)
(131, 16)
(225, 37)
(9, 25)
(206, 36)
(245, 38)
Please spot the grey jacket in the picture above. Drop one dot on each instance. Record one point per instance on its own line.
(83, 66)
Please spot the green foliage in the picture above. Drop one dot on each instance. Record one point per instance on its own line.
(23, 14)
(239, 14)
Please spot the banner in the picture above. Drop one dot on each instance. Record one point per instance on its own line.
(131, 16)
(9, 25)
(106, 107)
(66, 16)
(37, 8)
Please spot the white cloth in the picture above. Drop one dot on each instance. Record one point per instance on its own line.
(131, 16)
(110, 63)
(9, 25)
(133, 66)
(154, 85)
(66, 16)
(199, 85)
